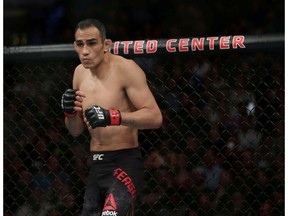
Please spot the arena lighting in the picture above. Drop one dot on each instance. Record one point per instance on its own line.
(158, 46)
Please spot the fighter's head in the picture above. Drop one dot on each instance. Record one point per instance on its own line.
(90, 23)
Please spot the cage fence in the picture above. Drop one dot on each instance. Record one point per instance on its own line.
(219, 152)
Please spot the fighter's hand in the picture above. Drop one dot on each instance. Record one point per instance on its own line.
(71, 102)
(96, 116)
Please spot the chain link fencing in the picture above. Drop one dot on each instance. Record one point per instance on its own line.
(219, 152)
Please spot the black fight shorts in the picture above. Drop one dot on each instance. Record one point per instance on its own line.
(115, 179)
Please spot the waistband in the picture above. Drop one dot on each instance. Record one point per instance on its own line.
(104, 156)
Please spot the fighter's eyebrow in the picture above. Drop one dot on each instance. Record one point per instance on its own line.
(91, 40)
(88, 40)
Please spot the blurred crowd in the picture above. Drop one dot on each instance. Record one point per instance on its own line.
(44, 170)
(53, 21)
(222, 151)
(221, 148)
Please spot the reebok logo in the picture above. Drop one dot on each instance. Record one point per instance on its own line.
(110, 206)
(107, 212)
(110, 203)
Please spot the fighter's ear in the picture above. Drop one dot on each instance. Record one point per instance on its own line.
(107, 45)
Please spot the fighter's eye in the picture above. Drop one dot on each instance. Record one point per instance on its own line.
(91, 43)
(79, 44)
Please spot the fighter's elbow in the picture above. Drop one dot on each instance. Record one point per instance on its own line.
(75, 134)
(158, 120)
(74, 128)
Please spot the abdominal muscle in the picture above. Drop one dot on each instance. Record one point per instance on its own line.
(112, 138)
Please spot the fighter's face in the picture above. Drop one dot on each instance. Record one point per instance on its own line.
(89, 46)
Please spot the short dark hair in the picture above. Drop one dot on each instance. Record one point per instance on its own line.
(92, 22)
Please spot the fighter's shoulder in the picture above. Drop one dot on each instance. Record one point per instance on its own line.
(78, 71)
(125, 64)
(129, 72)
(78, 74)
(79, 68)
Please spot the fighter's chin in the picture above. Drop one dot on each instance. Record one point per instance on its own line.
(86, 65)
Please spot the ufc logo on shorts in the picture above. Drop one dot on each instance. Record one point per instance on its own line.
(98, 157)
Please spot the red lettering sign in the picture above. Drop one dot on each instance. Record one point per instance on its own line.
(126, 46)
(169, 47)
(238, 41)
(116, 48)
(138, 47)
(151, 46)
(224, 42)
(212, 42)
(197, 44)
(183, 45)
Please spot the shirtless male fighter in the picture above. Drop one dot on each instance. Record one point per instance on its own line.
(111, 97)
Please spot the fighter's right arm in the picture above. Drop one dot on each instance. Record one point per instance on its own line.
(71, 104)
(75, 125)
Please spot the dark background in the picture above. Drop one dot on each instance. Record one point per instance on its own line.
(31, 22)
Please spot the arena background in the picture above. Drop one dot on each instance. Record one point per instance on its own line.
(221, 148)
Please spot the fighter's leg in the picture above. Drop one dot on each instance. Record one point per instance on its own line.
(93, 199)
(121, 196)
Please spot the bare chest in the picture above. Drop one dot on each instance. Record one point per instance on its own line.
(108, 93)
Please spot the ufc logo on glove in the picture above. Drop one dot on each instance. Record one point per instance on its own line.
(99, 111)
(99, 117)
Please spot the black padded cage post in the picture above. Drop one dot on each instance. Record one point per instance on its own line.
(220, 150)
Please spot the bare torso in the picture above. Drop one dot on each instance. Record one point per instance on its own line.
(107, 89)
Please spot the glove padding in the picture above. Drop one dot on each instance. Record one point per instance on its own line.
(99, 117)
(67, 102)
